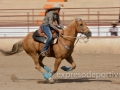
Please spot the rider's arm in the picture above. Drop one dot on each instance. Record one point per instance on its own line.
(50, 15)
(60, 24)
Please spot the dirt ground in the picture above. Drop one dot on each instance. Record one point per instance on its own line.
(17, 72)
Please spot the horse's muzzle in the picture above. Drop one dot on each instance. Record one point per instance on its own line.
(87, 34)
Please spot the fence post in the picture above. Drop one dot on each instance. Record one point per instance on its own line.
(28, 20)
(98, 24)
(63, 18)
(88, 15)
(33, 15)
(119, 15)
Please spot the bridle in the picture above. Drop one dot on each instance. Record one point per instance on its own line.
(80, 27)
(83, 36)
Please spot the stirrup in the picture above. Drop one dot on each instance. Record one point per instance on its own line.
(54, 41)
(43, 54)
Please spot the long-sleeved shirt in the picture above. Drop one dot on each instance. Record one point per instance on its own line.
(113, 29)
(49, 18)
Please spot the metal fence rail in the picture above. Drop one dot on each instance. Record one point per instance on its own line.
(28, 18)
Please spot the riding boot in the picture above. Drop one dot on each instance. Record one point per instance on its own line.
(43, 54)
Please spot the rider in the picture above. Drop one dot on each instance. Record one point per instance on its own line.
(51, 22)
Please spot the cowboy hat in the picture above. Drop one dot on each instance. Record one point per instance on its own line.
(55, 6)
(114, 23)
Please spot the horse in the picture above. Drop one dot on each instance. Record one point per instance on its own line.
(63, 49)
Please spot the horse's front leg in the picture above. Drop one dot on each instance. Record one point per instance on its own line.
(71, 61)
(56, 65)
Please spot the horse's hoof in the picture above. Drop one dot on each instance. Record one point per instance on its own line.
(48, 77)
(50, 80)
(66, 68)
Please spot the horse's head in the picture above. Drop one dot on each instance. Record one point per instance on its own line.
(81, 27)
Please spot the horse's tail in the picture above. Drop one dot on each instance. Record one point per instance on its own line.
(17, 47)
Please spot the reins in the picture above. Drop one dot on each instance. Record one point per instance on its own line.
(78, 38)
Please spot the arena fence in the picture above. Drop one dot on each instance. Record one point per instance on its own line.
(23, 21)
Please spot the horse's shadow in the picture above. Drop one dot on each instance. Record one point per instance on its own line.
(80, 80)
(59, 80)
(76, 80)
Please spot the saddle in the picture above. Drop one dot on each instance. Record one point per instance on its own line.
(40, 36)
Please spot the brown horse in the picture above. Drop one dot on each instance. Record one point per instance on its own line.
(62, 50)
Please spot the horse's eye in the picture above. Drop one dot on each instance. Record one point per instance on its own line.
(81, 24)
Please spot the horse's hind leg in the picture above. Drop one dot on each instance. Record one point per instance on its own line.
(49, 74)
(71, 61)
(36, 61)
(39, 64)
(42, 65)
(40, 61)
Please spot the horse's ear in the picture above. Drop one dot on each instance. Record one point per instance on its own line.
(75, 18)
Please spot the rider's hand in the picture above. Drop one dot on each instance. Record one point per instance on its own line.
(60, 31)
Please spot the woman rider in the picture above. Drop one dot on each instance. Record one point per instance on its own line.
(51, 21)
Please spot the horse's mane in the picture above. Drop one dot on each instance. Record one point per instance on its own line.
(70, 24)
